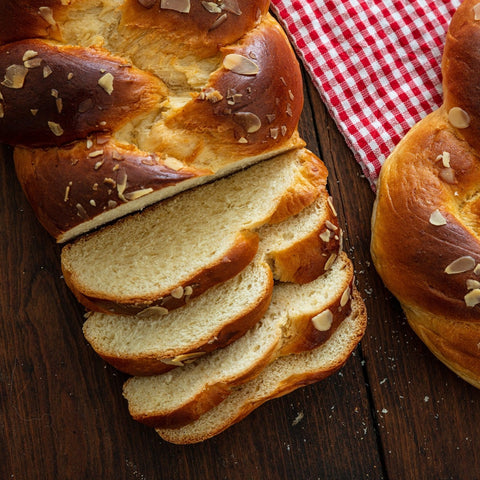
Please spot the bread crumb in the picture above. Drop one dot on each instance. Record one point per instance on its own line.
(298, 419)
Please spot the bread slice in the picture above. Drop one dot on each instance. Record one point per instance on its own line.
(282, 376)
(299, 318)
(192, 241)
(305, 245)
(154, 341)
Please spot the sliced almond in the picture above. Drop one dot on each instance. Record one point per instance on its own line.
(137, 194)
(106, 82)
(155, 310)
(476, 11)
(67, 192)
(248, 120)
(81, 211)
(29, 54)
(472, 298)
(182, 6)
(325, 236)
(458, 117)
(472, 284)
(345, 297)
(323, 321)
(59, 104)
(218, 21)
(179, 360)
(15, 76)
(56, 129)
(96, 153)
(331, 226)
(47, 14)
(448, 175)
(231, 6)
(461, 265)
(332, 207)
(437, 219)
(47, 71)
(33, 63)
(121, 184)
(446, 159)
(240, 64)
(330, 261)
(211, 7)
(173, 163)
(177, 292)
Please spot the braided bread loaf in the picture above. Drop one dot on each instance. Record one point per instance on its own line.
(426, 224)
(113, 105)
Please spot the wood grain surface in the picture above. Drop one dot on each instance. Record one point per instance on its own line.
(393, 412)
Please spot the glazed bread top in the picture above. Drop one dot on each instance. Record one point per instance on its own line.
(96, 89)
(426, 221)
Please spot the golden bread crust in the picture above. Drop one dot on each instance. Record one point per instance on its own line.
(209, 87)
(426, 220)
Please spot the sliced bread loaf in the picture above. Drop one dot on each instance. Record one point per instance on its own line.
(192, 241)
(299, 318)
(155, 340)
(282, 376)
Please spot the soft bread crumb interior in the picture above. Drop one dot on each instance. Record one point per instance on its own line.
(171, 241)
(170, 390)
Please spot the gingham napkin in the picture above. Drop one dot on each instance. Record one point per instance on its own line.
(375, 63)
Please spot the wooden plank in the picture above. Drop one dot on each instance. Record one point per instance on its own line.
(426, 416)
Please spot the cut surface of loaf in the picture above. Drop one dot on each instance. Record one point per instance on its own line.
(155, 341)
(96, 89)
(426, 219)
(192, 241)
(301, 247)
(299, 318)
(282, 376)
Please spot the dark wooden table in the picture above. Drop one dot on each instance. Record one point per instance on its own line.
(393, 412)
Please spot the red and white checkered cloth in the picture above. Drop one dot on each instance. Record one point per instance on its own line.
(375, 63)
